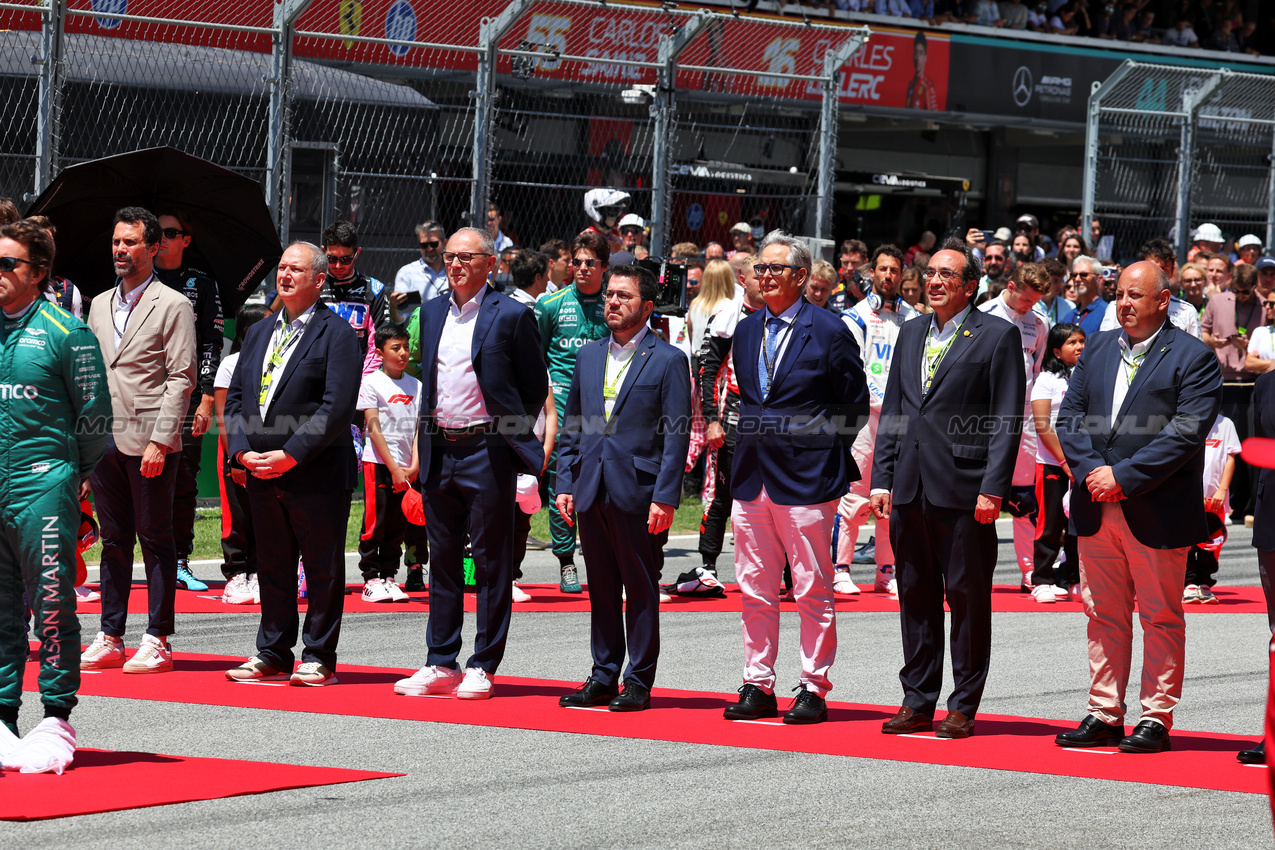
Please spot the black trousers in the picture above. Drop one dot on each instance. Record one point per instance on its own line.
(1237, 405)
(471, 486)
(309, 526)
(384, 525)
(1266, 570)
(238, 541)
(133, 508)
(186, 492)
(622, 556)
(937, 549)
(522, 530)
(1051, 530)
(712, 526)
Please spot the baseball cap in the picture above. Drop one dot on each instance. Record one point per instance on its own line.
(1260, 451)
(740, 227)
(413, 507)
(1248, 239)
(1028, 221)
(1002, 234)
(1265, 263)
(1208, 233)
(632, 219)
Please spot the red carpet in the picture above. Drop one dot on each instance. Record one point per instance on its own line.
(105, 781)
(1198, 760)
(546, 598)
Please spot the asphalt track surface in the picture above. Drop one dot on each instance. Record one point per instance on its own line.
(494, 787)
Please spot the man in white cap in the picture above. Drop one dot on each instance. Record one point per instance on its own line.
(1249, 249)
(632, 231)
(1208, 237)
(741, 237)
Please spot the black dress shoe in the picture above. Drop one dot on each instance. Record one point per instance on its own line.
(754, 704)
(636, 697)
(808, 707)
(1091, 732)
(1256, 755)
(591, 693)
(1147, 737)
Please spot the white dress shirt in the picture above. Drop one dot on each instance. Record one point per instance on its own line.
(940, 336)
(297, 326)
(785, 333)
(619, 358)
(460, 398)
(1125, 372)
(124, 306)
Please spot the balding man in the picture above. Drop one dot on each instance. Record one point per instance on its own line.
(1133, 426)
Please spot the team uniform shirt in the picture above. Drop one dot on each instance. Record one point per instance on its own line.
(717, 367)
(1181, 314)
(567, 321)
(1035, 333)
(67, 296)
(205, 299)
(875, 327)
(1049, 387)
(362, 301)
(1262, 343)
(1090, 318)
(1222, 442)
(397, 403)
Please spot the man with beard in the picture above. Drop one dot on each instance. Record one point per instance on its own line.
(996, 263)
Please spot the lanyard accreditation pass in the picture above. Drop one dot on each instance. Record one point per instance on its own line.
(275, 361)
(779, 341)
(935, 356)
(609, 388)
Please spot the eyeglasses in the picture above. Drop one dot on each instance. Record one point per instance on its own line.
(493, 217)
(429, 246)
(622, 297)
(1082, 274)
(1193, 280)
(174, 232)
(1270, 305)
(775, 269)
(948, 275)
(465, 257)
(1238, 291)
(590, 263)
(340, 261)
(8, 264)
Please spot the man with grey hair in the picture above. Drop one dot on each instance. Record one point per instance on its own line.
(421, 279)
(1133, 426)
(802, 400)
(288, 413)
(1090, 308)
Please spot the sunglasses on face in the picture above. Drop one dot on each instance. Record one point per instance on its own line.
(429, 246)
(174, 232)
(630, 231)
(586, 263)
(340, 261)
(8, 264)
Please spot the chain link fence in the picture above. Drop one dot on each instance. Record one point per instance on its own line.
(1170, 148)
(386, 113)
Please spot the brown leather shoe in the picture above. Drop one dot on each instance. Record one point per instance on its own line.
(907, 720)
(955, 725)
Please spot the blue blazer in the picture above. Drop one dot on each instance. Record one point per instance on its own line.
(1264, 416)
(960, 440)
(313, 405)
(639, 454)
(796, 441)
(1156, 449)
(511, 374)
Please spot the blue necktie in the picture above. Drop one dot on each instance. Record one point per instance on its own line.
(766, 368)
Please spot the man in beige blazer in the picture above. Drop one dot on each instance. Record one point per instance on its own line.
(147, 335)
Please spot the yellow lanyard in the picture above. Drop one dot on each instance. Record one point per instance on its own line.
(609, 388)
(1133, 362)
(275, 361)
(934, 355)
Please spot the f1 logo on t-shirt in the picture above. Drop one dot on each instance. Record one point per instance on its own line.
(400, 398)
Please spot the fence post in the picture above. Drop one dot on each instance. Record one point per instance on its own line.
(833, 61)
(1192, 100)
(1089, 188)
(286, 15)
(671, 47)
(52, 29)
(1270, 199)
(484, 95)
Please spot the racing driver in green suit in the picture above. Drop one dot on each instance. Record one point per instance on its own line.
(55, 417)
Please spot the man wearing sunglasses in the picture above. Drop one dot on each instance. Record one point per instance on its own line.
(422, 279)
(201, 290)
(360, 300)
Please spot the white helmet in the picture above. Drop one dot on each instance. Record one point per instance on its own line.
(597, 201)
(1208, 233)
(632, 219)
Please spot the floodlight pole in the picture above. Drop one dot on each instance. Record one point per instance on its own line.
(52, 31)
(286, 15)
(833, 62)
(662, 112)
(484, 96)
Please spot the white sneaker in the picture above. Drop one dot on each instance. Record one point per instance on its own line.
(1191, 594)
(396, 593)
(1061, 593)
(664, 597)
(429, 680)
(153, 655)
(312, 674)
(521, 595)
(105, 652)
(253, 670)
(885, 581)
(841, 583)
(255, 587)
(48, 748)
(8, 742)
(83, 594)
(376, 591)
(477, 684)
(1044, 593)
(237, 591)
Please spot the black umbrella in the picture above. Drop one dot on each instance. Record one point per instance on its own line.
(234, 240)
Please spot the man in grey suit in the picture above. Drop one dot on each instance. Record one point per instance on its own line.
(147, 335)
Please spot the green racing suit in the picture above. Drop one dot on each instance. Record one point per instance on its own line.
(55, 418)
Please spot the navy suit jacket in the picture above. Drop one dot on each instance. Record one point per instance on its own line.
(1264, 421)
(961, 439)
(1156, 449)
(510, 369)
(796, 441)
(313, 405)
(639, 454)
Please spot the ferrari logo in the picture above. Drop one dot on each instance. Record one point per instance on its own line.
(350, 19)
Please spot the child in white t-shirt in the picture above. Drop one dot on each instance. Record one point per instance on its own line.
(1052, 582)
(1220, 449)
(390, 401)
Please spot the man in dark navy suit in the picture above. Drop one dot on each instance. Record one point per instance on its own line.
(620, 466)
(1264, 525)
(1133, 425)
(288, 413)
(946, 446)
(802, 400)
(483, 380)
